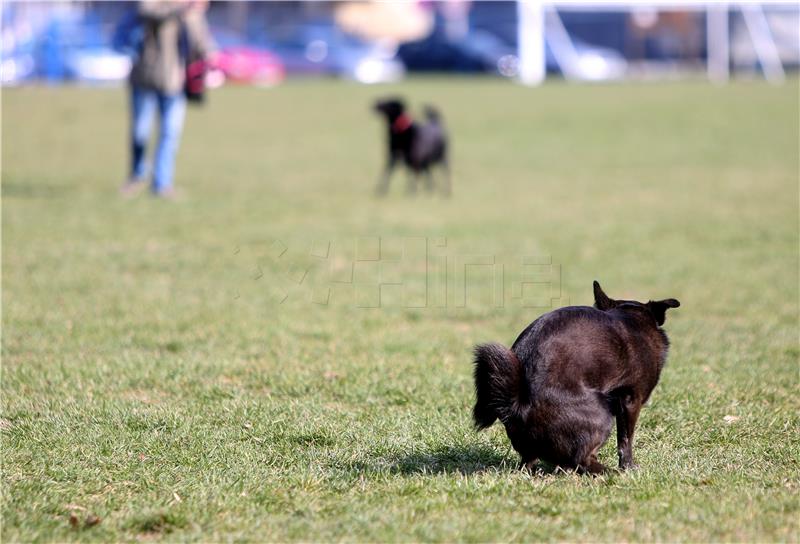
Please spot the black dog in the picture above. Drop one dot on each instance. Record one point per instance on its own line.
(568, 375)
(419, 145)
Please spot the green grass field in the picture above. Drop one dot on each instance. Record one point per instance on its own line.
(167, 367)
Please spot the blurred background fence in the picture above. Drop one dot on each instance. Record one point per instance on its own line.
(261, 43)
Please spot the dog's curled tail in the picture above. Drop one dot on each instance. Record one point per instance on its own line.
(501, 388)
(432, 114)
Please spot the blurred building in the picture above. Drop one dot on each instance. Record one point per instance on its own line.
(262, 42)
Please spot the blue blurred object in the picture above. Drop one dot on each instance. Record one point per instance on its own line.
(323, 49)
(128, 34)
(473, 51)
(59, 42)
(94, 41)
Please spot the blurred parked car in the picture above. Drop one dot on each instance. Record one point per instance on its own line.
(322, 49)
(490, 46)
(249, 65)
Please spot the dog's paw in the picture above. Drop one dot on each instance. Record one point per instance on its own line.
(531, 467)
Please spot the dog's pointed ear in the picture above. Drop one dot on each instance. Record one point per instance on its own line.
(659, 308)
(601, 300)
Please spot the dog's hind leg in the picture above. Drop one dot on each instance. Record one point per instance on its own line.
(585, 429)
(529, 465)
(626, 423)
(592, 466)
(588, 462)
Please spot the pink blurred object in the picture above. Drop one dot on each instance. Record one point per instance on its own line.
(249, 65)
(195, 87)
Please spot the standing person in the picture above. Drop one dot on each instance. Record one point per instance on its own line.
(161, 36)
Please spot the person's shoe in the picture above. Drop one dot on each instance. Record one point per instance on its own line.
(168, 193)
(132, 187)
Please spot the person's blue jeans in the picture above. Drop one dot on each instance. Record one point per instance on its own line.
(171, 110)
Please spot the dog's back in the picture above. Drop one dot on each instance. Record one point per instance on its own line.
(429, 145)
(582, 347)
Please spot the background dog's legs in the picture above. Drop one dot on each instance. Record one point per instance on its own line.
(447, 187)
(413, 177)
(428, 180)
(383, 182)
(626, 423)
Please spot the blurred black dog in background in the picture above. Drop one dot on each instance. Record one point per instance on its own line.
(569, 375)
(419, 145)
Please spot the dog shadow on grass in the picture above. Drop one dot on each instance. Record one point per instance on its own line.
(464, 460)
(453, 459)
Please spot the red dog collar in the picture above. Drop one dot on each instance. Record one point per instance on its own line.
(401, 124)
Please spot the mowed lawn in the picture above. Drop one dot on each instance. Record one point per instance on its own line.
(215, 368)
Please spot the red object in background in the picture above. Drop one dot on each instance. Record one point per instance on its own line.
(195, 86)
(249, 65)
